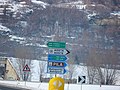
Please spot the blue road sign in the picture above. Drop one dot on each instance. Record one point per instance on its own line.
(56, 70)
(53, 57)
(56, 64)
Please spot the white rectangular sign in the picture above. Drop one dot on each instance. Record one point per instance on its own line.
(58, 51)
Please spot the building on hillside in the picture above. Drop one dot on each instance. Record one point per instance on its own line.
(7, 71)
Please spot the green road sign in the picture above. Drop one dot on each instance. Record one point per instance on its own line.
(56, 44)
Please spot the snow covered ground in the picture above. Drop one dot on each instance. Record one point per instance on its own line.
(44, 86)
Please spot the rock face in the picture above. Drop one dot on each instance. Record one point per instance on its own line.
(108, 21)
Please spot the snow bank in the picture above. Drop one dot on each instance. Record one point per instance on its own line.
(3, 28)
(43, 4)
(44, 86)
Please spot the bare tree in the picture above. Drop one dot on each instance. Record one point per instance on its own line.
(71, 69)
(42, 65)
(23, 54)
(102, 67)
(107, 76)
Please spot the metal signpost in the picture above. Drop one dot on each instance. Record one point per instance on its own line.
(56, 63)
(57, 57)
(26, 70)
(81, 80)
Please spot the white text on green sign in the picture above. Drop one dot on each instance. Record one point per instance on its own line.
(56, 44)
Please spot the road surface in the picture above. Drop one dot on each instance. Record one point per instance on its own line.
(3, 87)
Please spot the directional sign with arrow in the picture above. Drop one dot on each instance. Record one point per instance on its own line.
(56, 70)
(57, 64)
(53, 57)
(59, 51)
(57, 57)
(81, 79)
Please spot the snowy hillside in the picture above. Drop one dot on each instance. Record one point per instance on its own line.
(35, 22)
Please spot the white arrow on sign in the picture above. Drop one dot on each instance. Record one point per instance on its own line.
(59, 51)
(81, 79)
(57, 84)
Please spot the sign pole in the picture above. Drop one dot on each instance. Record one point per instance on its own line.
(81, 80)
(26, 71)
(40, 84)
(55, 75)
(81, 86)
(68, 86)
(25, 77)
(25, 82)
